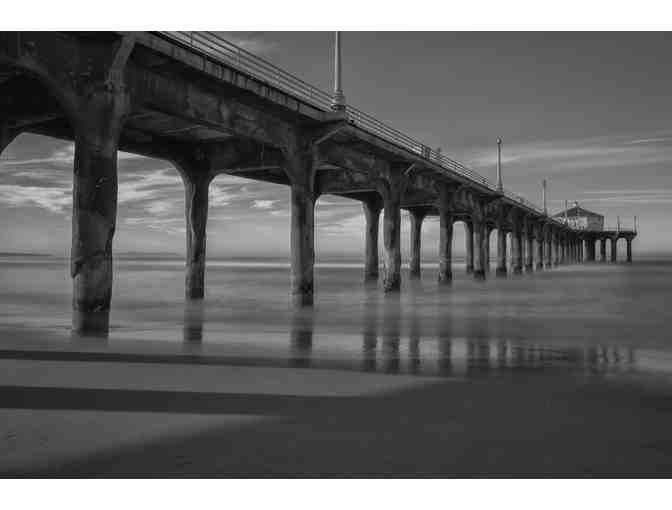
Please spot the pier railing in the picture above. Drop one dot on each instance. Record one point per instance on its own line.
(218, 48)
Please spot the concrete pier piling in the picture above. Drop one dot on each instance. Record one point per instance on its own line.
(548, 250)
(372, 208)
(516, 249)
(302, 244)
(501, 252)
(614, 242)
(486, 249)
(529, 251)
(392, 241)
(196, 215)
(446, 220)
(300, 167)
(628, 254)
(603, 249)
(417, 217)
(540, 251)
(94, 209)
(478, 229)
(469, 245)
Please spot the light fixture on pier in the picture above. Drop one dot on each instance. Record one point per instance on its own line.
(338, 100)
(543, 195)
(499, 165)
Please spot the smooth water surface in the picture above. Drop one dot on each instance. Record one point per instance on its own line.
(592, 317)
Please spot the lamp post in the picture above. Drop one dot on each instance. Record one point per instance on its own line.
(543, 196)
(499, 165)
(338, 100)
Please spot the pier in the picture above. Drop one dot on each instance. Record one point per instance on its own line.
(209, 107)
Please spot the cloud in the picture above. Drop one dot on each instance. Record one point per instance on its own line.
(649, 140)
(629, 196)
(254, 44)
(263, 204)
(167, 225)
(55, 200)
(65, 155)
(220, 196)
(583, 154)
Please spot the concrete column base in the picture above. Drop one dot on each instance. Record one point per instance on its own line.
(445, 277)
(479, 274)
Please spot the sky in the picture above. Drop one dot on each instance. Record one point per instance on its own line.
(589, 112)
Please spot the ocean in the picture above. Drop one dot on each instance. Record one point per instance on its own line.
(598, 318)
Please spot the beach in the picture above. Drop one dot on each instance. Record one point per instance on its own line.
(559, 373)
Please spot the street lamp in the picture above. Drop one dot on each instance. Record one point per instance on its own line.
(499, 165)
(338, 99)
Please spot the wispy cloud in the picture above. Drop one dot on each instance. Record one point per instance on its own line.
(256, 44)
(629, 196)
(648, 140)
(54, 200)
(263, 204)
(590, 154)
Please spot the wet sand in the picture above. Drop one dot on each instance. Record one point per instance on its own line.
(114, 419)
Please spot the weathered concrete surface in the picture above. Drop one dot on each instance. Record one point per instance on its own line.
(540, 252)
(417, 215)
(548, 249)
(486, 248)
(529, 253)
(446, 220)
(628, 256)
(94, 208)
(516, 249)
(392, 240)
(372, 207)
(478, 229)
(501, 252)
(196, 216)
(300, 167)
(469, 245)
(7, 136)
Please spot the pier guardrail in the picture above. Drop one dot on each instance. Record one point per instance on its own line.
(218, 48)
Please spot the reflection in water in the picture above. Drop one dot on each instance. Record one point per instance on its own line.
(370, 331)
(301, 337)
(391, 333)
(502, 352)
(192, 331)
(464, 348)
(414, 335)
(91, 324)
